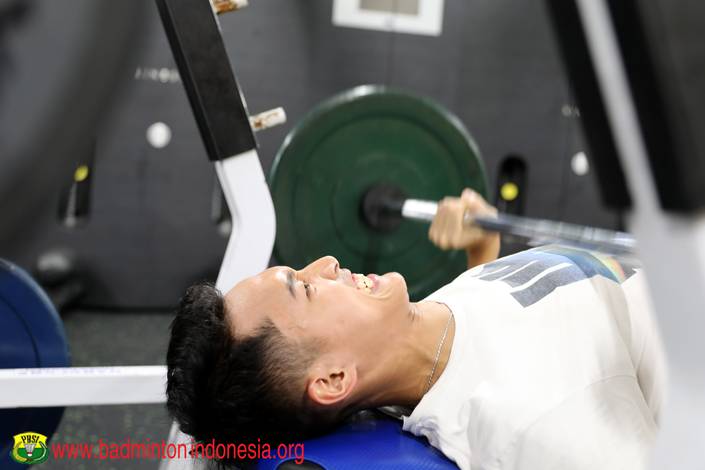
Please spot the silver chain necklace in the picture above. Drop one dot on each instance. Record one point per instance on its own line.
(438, 353)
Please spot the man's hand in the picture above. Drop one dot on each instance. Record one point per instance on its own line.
(449, 232)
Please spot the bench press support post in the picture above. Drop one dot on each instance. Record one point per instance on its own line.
(226, 130)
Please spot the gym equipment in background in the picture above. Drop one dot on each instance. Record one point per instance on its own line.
(36, 382)
(138, 181)
(27, 385)
(227, 132)
(32, 335)
(82, 45)
(364, 137)
(77, 49)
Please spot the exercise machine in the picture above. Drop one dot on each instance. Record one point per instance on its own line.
(659, 184)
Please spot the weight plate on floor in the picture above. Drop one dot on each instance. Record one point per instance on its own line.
(361, 138)
(31, 335)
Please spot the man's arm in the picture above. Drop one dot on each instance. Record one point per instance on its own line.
(448, 231)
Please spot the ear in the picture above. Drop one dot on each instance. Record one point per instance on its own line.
(331, 386)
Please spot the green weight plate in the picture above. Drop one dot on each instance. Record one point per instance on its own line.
(366, 136)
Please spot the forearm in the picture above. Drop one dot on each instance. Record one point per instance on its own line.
(485, 251)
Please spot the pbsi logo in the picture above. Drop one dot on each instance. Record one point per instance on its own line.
(30, 448)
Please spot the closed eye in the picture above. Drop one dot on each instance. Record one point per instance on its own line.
(307, 287)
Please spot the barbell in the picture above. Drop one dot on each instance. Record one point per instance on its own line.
(382, 210)
(355, 176)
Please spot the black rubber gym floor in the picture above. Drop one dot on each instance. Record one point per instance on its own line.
(107, 339)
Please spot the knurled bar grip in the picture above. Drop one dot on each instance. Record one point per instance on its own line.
(536, 230)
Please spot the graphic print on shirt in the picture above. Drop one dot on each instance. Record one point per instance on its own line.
(535, 273)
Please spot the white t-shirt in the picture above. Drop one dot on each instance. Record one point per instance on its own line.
(556, 363)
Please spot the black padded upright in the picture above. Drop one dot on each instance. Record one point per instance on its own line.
(210, 83)
(664, 57)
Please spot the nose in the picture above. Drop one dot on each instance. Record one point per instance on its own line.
(326, 267)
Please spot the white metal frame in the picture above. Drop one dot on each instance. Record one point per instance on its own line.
(254, 226)
(74, 386)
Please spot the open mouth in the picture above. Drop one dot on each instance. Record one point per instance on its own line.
(367, 284)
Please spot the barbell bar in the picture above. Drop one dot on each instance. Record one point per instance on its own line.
(537, 231)
(384, 205)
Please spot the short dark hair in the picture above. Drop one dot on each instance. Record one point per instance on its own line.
(231, 388)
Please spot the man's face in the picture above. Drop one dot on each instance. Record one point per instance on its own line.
(322, 302)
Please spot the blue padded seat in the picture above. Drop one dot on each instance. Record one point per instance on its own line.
(369, 441)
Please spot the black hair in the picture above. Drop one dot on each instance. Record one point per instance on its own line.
(230, 388)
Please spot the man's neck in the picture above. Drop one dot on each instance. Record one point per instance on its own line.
(408, 368)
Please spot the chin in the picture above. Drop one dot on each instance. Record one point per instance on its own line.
(397, 286)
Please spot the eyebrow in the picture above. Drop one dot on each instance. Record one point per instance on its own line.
(290, 283)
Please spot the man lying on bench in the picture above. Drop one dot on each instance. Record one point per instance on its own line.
(546, 359)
